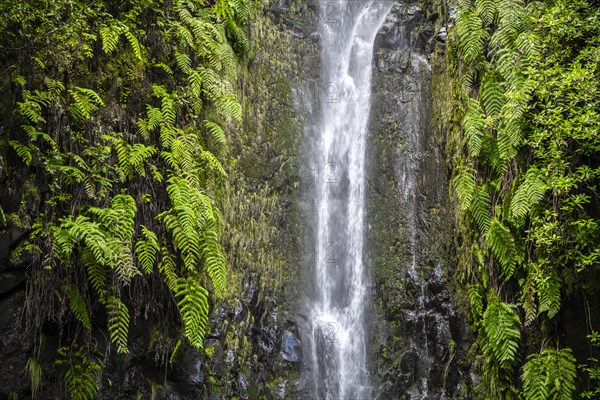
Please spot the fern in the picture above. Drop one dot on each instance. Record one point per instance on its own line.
(528, 293)
(97, 275)
(471, 34)
(135, 44)
(212, 163)
(146, 250)
(216, 133)
(486, 10)
(474, 126)
(78, 307)
(530, 192)
(110, 38)
(31, 107)
(511, 24)
(193, 305)
(480, 208)
(85, 102)
(503, 247)
(492, 95)
(23, 151)
(550, 375)
(476, 300)
(548, 288)
(167, 267)
(118, 323)
(82, 374)
(465, 186)
(211, 250)
(237, 34)
(131, 158)
(501, 327)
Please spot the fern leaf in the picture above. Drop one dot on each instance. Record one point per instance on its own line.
(474, 126)
(471, 34)
(146, 250)
(552, 374)
(34, 370)
(118, 323)
(465, 186)
(134, 43)
(216, 133)
(486, 10)
(503, 247)
(79, 307)
(110, 39)
(193, 305)
(492, 95)
(501, 327)
(480, 208)
(530, 193)
(81, 378)
(23, 151)
(548, 289)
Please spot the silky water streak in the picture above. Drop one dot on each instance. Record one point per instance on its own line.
(339, 356)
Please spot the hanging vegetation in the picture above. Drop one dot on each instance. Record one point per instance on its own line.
(526, 176)
(129, 160)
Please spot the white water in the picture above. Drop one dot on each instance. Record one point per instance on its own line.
(339, 356)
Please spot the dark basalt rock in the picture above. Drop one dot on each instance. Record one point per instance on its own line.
(409, 238)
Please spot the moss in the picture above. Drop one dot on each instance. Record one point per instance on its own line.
(209, 350)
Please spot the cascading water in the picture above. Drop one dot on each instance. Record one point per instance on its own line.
(339, 356)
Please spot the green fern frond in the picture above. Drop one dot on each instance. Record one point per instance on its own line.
(476, 300)
(474, 126)
(78, 307)
(146, 250)
(213, 163)
(471, 34)
(465, 186)
(548, 289)
(550, 375)
(480, 208)
(492, 95)
(241, 44)
(193, 305)
(216, 133)
(529, 193)
(528, 295)
(135, 44)
(503, 246)
(23, 151)
(97, 275)
(486, 10)
(110, 38)
(82, 376)
(85, 102)
(501, 327)
(167, 267)
(118, 323)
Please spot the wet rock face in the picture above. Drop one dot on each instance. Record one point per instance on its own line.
(419, 337)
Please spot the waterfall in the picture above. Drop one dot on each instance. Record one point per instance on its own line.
(339, 355)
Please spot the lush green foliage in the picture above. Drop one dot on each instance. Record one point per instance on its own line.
(527, 78)
(122, 110)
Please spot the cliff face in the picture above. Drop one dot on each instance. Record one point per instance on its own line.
(253, 349)
(420, 339)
